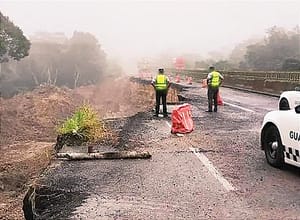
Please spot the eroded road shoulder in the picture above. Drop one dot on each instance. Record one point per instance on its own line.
(174, 183)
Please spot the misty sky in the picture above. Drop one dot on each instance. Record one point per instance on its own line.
(146, 28)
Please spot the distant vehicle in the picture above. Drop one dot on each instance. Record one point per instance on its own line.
(289, 99)
(280, 133)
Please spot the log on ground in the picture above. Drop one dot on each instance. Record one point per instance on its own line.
(105, 155)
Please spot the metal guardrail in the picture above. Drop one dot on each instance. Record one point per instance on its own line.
(265, 82)
(263, 75)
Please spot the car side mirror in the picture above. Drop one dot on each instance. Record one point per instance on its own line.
(297, 109)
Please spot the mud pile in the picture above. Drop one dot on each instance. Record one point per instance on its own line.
(34, 115)
(118, 98)
(28, 123)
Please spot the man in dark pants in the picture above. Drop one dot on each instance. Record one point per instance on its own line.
(161, 85)
(214, 80)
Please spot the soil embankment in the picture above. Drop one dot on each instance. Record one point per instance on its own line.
(28, 123)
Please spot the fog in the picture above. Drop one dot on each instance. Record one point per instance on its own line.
(129, 30)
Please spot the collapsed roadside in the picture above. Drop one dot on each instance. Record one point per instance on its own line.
(28, 123)
(174, 183)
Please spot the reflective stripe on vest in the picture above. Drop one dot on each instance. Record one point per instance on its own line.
(161, 82)
(215, 81)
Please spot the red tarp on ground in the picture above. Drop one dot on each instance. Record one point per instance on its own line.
(182, 121)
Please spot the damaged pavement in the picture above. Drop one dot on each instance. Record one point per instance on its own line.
(174, 183)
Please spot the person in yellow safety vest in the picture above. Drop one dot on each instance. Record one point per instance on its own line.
(161, 85)
(214, 80)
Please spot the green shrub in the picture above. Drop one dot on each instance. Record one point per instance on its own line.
(83, 125)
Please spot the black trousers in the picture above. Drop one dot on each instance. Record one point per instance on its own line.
(212, 94)
(163, 96)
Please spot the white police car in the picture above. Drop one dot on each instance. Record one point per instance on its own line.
(280, 136)
(289, 99)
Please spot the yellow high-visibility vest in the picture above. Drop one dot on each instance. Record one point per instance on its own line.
(161, 82)
(215, 80)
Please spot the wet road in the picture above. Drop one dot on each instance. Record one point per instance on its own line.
(216, 172)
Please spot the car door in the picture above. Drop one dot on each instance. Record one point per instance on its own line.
(291, 136)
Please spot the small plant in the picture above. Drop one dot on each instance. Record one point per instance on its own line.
(83, 126)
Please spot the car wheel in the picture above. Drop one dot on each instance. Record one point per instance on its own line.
(284, 104)
(273, 147)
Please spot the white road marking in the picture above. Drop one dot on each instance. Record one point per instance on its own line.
(240, 107)
(228, 186)
(177, 134)
(168, 124)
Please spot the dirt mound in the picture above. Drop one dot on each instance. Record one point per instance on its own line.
(34, 115)
(27, 134)
(120, 97)
(27, 128)
(21, 163)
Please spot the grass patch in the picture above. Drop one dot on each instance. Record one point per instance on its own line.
(83, 126)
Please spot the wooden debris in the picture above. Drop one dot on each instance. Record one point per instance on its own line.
(105, 155)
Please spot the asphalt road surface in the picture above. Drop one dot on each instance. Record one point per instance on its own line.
(216, 172)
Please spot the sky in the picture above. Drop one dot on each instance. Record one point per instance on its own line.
(129, 30)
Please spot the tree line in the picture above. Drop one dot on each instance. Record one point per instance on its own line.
(49, 58)
(278, 51)
(13, 44)
(54, 59)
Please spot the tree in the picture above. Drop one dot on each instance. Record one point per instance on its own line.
(13, 44)
(223, 65)
(291, 65)
(83, 60)
(278, 46)
(57, 60)
(237, 56)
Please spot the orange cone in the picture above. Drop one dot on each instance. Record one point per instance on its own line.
(219, 99)
(204, 83)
